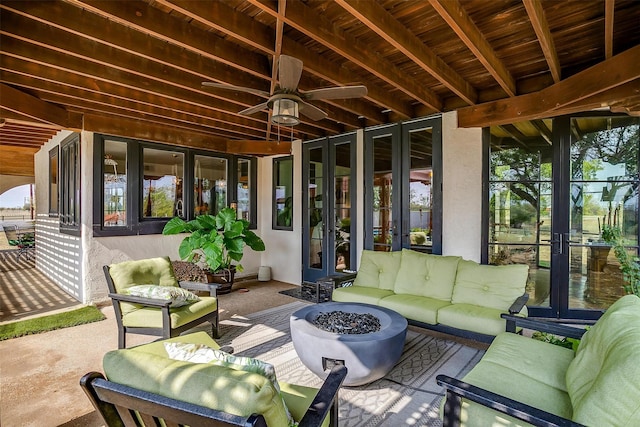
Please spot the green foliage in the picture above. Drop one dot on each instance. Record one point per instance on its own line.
(629, 265)
(565, 342)
(216, 240)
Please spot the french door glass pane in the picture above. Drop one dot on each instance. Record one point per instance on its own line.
(604, 192)
(520, 208)
(382, 194)
(162, 183)
(342, 206)
(209, 184)
(316, 226)
(244, 182)
(420, 188)
(115, 184)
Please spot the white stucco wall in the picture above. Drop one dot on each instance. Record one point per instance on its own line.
(283, 247)
(461, 189)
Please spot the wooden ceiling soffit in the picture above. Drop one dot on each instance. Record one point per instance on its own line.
(307, 21)
(376, 18)
(38, 110)
(455, 16)
(549, 102)
(541, 27)
(17, 161)
(259, 148)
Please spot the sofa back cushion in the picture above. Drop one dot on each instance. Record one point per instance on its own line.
(603, 380)
(378, 269)
(426, 275)
(492, 286)
(218, 387)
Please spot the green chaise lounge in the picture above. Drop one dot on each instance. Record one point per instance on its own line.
(145, 380)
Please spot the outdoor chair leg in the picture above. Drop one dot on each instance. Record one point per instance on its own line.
(122, 336)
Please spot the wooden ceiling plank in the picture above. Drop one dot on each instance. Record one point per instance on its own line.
(376, 18)
(259, 148)
(17, 161)
(457, 18)
(541, 27)
(305, 20)
(551, 101)
(149, 20)
(132, 81)
(30, 106)
(609, 8)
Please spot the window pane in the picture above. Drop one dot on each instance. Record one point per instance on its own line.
(316, 227)
(209, 184)
(53, 181)
(162, 183)
(283, 186)
(420, 189)
(115, 183)
(342, 206)
(244, 182)
(70, 183)
(382, 194)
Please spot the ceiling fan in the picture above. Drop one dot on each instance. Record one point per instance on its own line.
(287, 101)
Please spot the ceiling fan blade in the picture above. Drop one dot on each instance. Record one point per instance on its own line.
(254, 109)
(338, 92)
(238, 88)
(311, 111)
(289, 72)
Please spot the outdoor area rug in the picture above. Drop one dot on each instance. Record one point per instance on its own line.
(408, 395)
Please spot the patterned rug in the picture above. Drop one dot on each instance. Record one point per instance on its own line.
(408, 395)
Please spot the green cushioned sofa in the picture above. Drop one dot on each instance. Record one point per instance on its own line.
(232, 394)
(445, 293)
(521, 381)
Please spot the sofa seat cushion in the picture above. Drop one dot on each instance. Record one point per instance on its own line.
(361, 294)
(604, 378)
(523, 369)
(414, 307)
(426, 275)
(152, 317)
(218, 387)
(378, 269)
(493, 286)
(473, 318)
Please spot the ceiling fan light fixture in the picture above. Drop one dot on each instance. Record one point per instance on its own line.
(285, 112)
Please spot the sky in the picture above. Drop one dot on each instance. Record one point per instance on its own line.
(15, 197)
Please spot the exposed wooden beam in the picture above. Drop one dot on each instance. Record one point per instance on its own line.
(34, 108)
(609, 8)
(307, 21)
(259, 148)
(17, 161)
(454, 14)
(551, 101)
(375, 17)
(282, 7)
(541, 27)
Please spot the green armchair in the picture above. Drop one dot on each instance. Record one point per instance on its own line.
(141, 315)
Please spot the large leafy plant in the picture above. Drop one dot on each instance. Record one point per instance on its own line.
(629, 265)
(215, 240)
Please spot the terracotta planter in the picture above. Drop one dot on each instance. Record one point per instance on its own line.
(224, 278)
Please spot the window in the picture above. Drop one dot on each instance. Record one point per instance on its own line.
(53, 182)
(209, 184)
(139, 186)
(162, 183)
(70, 185)
(283, 193)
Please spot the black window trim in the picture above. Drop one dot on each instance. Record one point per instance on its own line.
(274, 206)
(69, 162)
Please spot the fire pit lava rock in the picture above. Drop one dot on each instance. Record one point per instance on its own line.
(367, 356)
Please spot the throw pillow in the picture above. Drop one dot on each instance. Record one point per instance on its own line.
(176, 295)
(200, 353)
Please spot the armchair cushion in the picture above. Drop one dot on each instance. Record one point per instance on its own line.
(426, 275)
(155, 271)
(177, 296)
(179, 316)
(492, 286)
(378, 269)
(218, 387)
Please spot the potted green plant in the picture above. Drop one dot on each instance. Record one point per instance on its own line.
(215, 241)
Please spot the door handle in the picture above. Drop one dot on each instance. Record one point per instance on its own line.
(557, 246)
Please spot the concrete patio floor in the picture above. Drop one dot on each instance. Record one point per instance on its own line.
(39, 374)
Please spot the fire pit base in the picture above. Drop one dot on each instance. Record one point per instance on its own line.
(367, 357)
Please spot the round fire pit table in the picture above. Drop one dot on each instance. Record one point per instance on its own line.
(368, 356)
